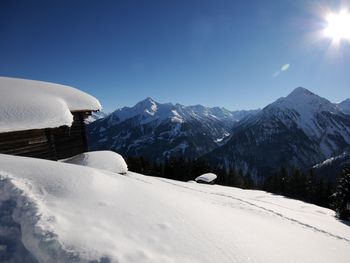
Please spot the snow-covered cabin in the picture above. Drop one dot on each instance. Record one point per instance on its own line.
(43, 120)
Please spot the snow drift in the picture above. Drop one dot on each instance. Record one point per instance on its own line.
(105, 160)
(28, 104)
(70, 213)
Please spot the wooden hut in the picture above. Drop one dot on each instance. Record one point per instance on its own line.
(57, 132)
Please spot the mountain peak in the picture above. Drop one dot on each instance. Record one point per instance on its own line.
(147, 100)
(147, 103)
(344, 106)
(303, 101)
(300, 91)
(148, 106)
(346, 101)
(305, 98)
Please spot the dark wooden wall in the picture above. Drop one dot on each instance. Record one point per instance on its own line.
(71, 141)
(52, 144)
(33, 143)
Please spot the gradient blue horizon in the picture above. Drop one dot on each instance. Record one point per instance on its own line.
(215, 53)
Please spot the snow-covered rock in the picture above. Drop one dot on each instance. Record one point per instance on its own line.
(207, 178)
(105, 160)
(28, 104)
(70, 213)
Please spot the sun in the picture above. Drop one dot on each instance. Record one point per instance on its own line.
(338, 26)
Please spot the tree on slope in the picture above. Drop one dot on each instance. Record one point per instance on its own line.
(342, 194)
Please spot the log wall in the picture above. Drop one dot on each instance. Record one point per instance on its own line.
(52, 144)
(71, 141)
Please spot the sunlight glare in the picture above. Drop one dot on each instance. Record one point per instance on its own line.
(338, 26)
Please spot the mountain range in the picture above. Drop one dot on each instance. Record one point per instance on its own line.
(158, 131)
(299, 130)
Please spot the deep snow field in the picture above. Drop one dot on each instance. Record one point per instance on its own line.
(60, 212)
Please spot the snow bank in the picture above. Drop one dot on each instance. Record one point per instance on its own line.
(29, 104)
(208, 177)
(105, 160)
(70, 213)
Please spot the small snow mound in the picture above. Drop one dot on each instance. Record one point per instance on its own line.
(191, 181)
(208, 177)
(105, 160)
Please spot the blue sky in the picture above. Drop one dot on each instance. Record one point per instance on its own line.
(215, 53)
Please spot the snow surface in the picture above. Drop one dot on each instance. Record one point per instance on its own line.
(69, 213)
(105, 160)
(28, 104)
(208, 177)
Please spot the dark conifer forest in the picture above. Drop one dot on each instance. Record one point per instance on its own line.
(292, 183)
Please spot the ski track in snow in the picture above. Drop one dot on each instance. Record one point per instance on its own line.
(268, 211)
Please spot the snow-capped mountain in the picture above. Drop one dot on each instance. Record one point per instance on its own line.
(299, 130)
(96, 116)
(157, 131)
(344, 106)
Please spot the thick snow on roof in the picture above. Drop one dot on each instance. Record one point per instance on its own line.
(208, 177)
(28, 104)
(70, 213)
(105, 160)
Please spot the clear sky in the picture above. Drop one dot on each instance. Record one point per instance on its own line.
(230, 53)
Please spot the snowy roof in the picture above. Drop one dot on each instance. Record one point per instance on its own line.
(28, 104)
(69, 213)
(208, 177)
